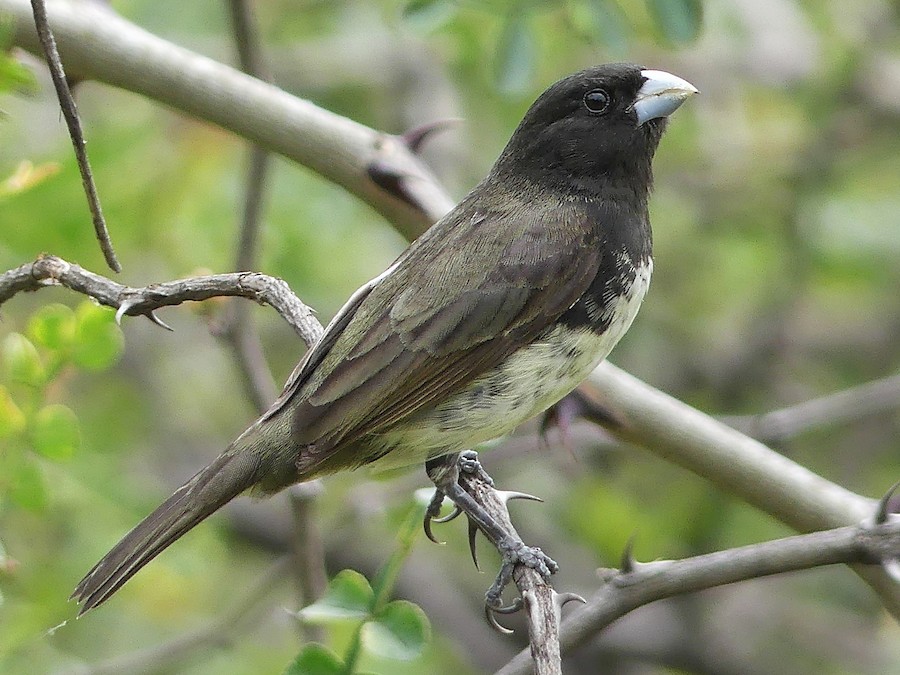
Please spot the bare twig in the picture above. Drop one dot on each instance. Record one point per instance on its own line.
(54, 271)
(70, 113)
(624, 591)
(844, 406)
(309, 555)
(239, 328)
(540, 601)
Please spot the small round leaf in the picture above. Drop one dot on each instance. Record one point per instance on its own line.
(52, 326)
(55, 432)
(348, 597)
(401, 631)
(27, 487)
(98, 340)
(21, 360)
(315, 659)
(12, 419)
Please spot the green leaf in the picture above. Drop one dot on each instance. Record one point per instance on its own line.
(315, 659)
(15, 76)
(55, 433)
(515, 55)
(348, 597)
(12, 419)
(21, 361)
(53, 326)
(98, 340)
(26, 486)
(26, 176)
(678, 20)
(401, 631)
(428, 14)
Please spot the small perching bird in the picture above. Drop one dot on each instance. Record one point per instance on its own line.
(490, 317)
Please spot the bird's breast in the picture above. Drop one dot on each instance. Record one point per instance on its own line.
(525, 384)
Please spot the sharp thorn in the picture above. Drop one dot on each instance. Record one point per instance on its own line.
(415, 137)
(628, 563)
(159, 322)
(881, 516)
(508, 495)
(562, 599)
(473, 530)
(124, 306)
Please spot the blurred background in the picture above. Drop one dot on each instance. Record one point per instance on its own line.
(777, 243)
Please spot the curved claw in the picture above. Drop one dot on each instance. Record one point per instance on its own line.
(434, 507)
(450, 516)
(426, 525)
(492, 622)
(516, 605)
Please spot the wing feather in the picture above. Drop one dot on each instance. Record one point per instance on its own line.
(424, 331)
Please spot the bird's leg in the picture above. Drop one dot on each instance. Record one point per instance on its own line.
(445, 472)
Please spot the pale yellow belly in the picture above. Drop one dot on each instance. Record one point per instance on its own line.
(527, 383)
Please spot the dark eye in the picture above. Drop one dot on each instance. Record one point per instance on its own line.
(597, 101)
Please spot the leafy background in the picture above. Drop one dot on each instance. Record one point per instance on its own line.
(777, 248)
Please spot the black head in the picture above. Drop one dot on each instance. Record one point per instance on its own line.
(601, 124)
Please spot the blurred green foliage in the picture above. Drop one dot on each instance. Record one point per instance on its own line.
(776, 281)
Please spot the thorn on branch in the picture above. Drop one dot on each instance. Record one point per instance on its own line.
(562, 599)
(885, 505)
(391, 168)
(627, 564)
(415, 138)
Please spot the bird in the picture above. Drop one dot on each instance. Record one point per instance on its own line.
(490, 317)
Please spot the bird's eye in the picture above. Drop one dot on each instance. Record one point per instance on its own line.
(597, 101)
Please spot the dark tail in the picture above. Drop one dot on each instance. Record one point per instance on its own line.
(213, 487)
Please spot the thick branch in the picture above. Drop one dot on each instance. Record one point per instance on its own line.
(97, 44)
(624, 591)
(739, 465)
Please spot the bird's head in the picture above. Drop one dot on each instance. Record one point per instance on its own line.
(600, 124)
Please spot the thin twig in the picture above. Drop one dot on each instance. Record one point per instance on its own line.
(239, 328)
(70, 113)
(128, 301)
(624, 591)
(871, 398)
(309, 554)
